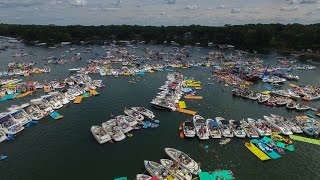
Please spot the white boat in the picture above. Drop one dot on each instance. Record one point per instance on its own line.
(178, 172)
(238, 131)
(224, 126)
(156, 169)
(100, 134)
(291, 105)
(201, 127)
(250, 130)
(278, 125)
(188, 129)
(300, 107)
(293, 126)
(261, 126)
(21, 117)
(74, 69)
(137, 116)
(117, 134)
(123, 124)
(132, 122)
(144, 111)
(184, 160)
(3, 135)
(143, 177)
(214, 129)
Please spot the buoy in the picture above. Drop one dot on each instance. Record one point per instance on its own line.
(181, 135)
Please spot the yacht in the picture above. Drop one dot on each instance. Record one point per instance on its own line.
(238, 131)
(224, 126)
(214, 129)
(100, 134)
(201, 127)
(188, 129)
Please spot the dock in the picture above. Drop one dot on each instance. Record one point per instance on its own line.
(304, 139)
(193, 97)
(55, 115)
(25, 94)
(94, 92)
(186, 111)
(78, 100)
(182, 105)
(256, 151)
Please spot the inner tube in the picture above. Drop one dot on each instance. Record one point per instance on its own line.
(181, 135)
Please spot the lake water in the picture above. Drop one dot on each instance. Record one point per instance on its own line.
(66, 149)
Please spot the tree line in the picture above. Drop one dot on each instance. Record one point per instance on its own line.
(247, 37)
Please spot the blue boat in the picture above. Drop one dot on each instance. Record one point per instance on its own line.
(3, 157)
(266, 149)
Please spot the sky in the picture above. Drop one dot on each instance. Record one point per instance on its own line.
(159, 12)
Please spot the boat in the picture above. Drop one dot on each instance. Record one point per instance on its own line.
(237, 129)
(156, 169)
(293, 126)
(291, 105)
(261, 126)
(263, 98)
(134, 114)
(3, 157)
(188, 129)
(278, 124)
(251, 131)
(224, 126)
(201, 128)
(301, 107)
(214, 129)
(117, 134)
(144, 111)
(178, 172)
(123, 124)
(100, 134)
(184, 160)
(143, 177)
(3, 135)
(266, 149)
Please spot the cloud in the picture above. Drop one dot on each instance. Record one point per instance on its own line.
(78, 2)
(289, 8)
(235, 10)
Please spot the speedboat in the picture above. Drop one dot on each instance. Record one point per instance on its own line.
(137, 116)
(261, 126)
(293, 126)
(3, 135)
(144, 111)
(100, 134)
(278, 124)
(117, 134)
(237, 129)
(214, 130)
(250, 130)
(301, 107)
(188, 129)
(163, 104)
(156, 169)
(143, 177)
(184, 160)
(178, 172)
(123, 124)
(202, 130)
(291, 105)
(224, 126)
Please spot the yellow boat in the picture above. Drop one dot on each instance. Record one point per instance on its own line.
(256, 151)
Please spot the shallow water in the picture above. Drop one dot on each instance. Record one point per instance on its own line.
(66, 149)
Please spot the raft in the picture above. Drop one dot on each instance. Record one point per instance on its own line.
(121, 178)
(86, 94)
(78, 100)
(220, 174)
(24, 94)
(182, 105)
(193, 97)
(94, 93)
(186, 111)
(279, 144)
(55, 115)
(256, 151)
(304, 139)
(271, 154)
(7, 97)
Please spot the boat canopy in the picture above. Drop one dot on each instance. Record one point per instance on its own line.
(189, 123)
(213, 123)
(4, 118)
